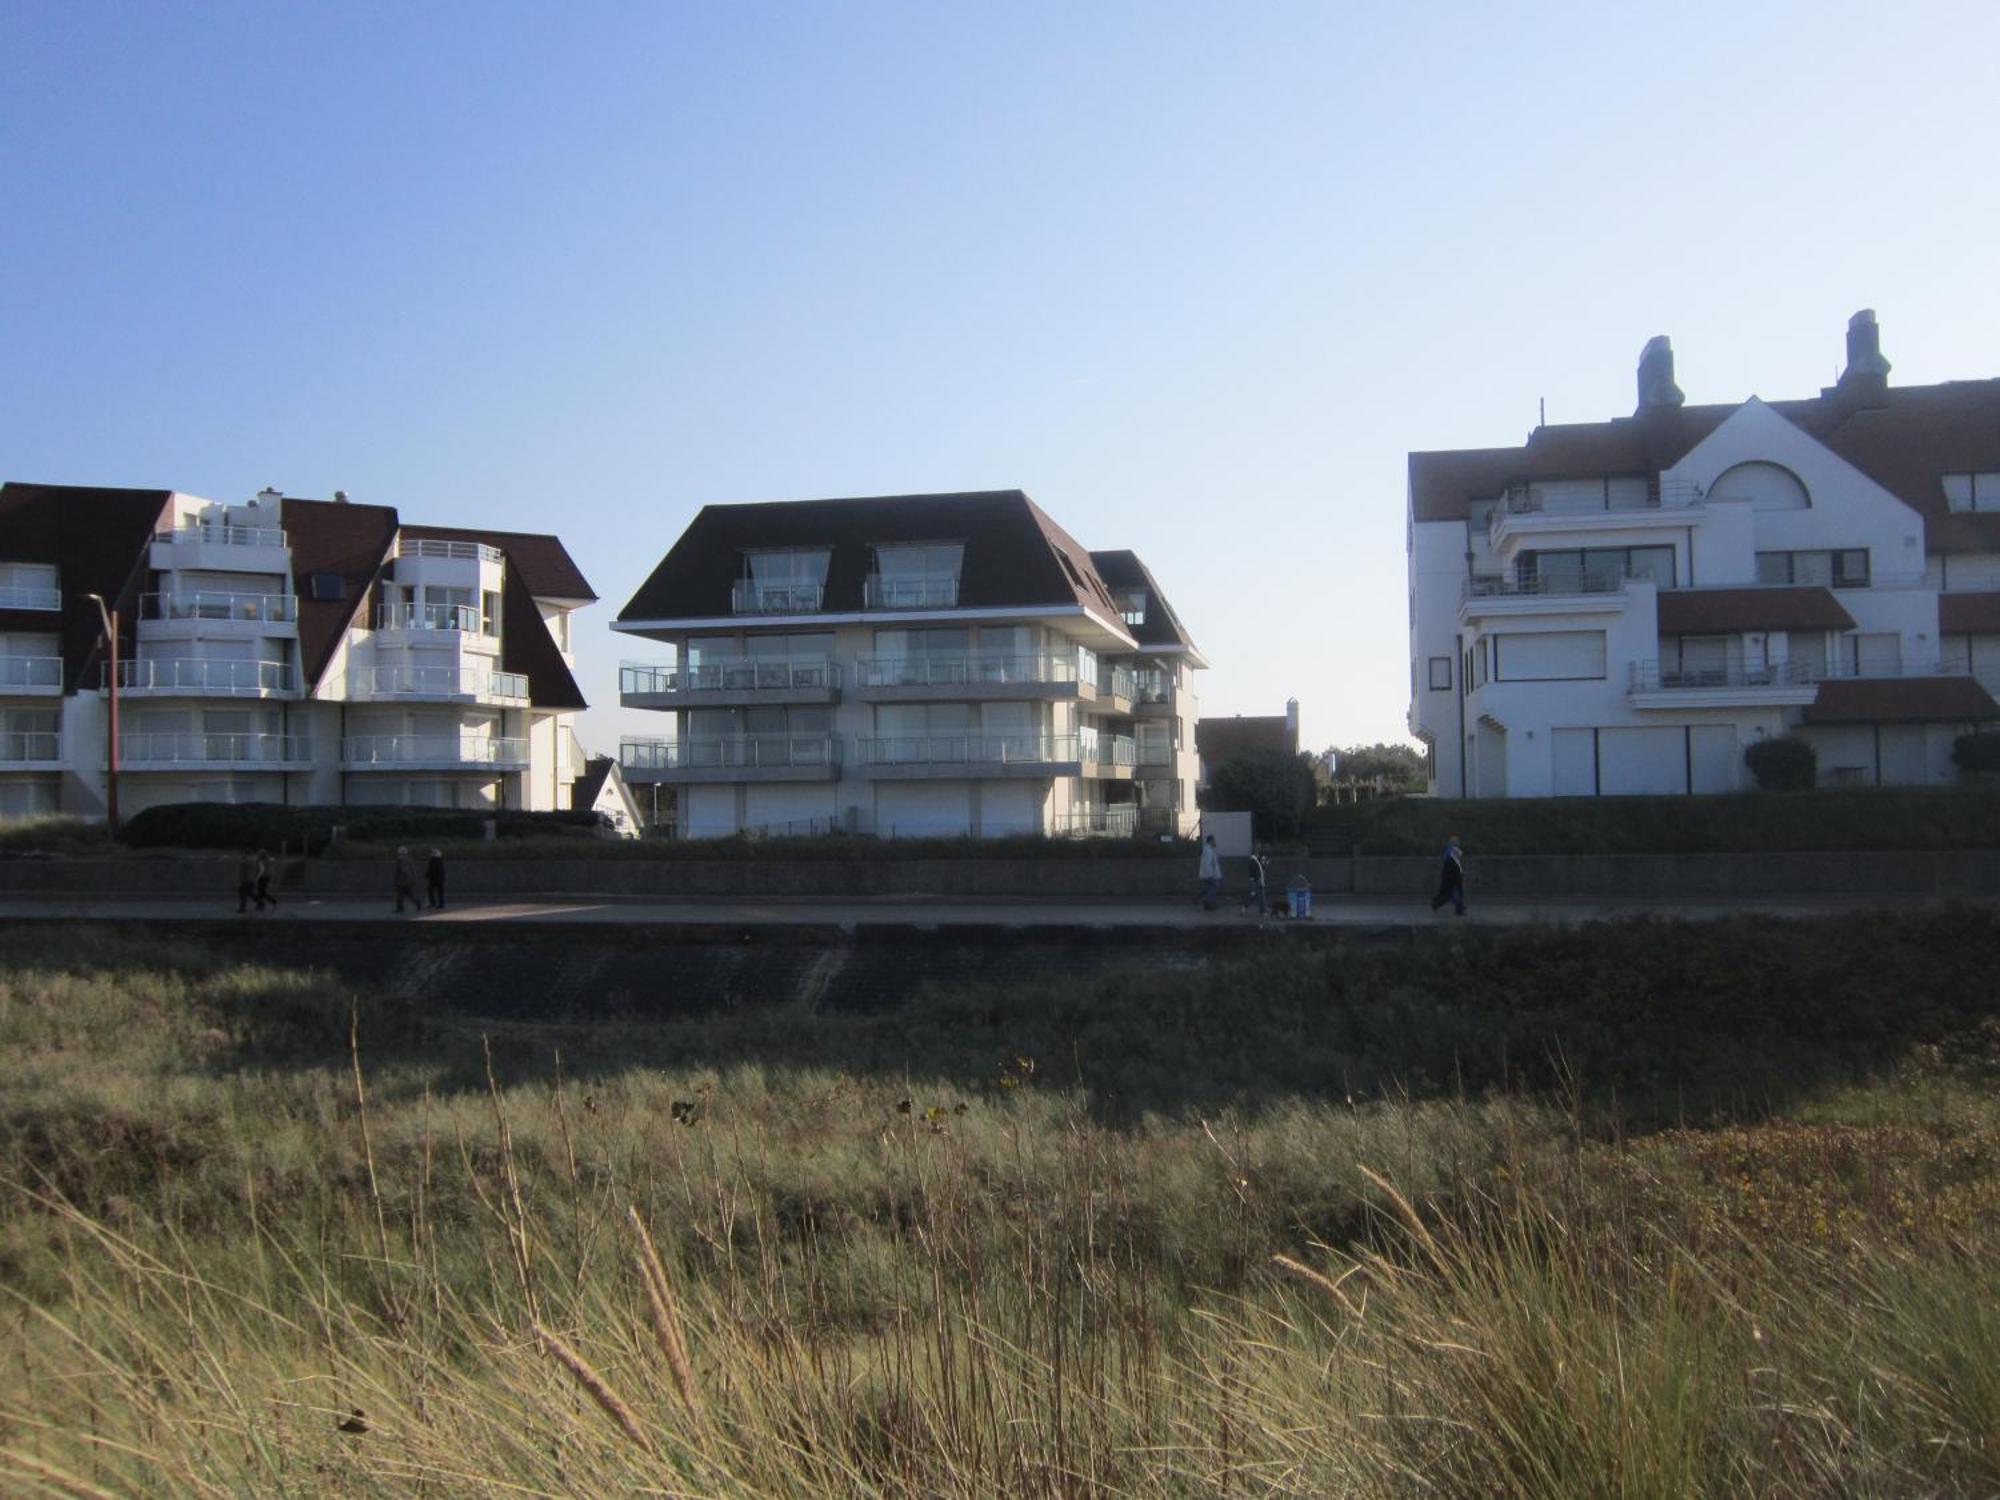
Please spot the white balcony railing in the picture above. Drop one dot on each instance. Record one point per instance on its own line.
(17, 746)
(749, 597)
(969, 749)
(224, 536)
(880, 591)
(1118, 682)
(1152, 753)
(967, 668)
(1114, 750)
(436, 682)
(1509, 588)
(196, 675)
(1120, 822)
(19, 598)
(30, 672)
(433, 749)
(214, 606)
(744, 752)
(1151, 685)
(736, 674)
(459, 617)
(154, 749)
(440, 547)
(1651, 677)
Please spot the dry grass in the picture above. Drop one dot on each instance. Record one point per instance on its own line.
(239, 1257)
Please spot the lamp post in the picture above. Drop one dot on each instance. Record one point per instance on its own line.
(110, 618)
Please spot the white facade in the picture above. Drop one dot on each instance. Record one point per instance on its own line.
(1724, 576)
(216, 701)
(914, 716)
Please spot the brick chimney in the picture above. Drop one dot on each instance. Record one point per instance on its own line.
(1657, 390)
(1866, 378)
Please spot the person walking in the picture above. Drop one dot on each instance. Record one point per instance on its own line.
(1451, 878)
(406, 880)
(246, 880)
(1254, 897)
(434, 880)
(264, 896)
(1210, 874)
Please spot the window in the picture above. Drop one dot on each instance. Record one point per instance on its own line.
(1440, 674)
(29, 586)
(1972, 491)
(1595, 570)
(489, 618)
(1765, 486)
(792, 581)
(1131, 605)
(1548, 656)
(921, 575)
(1846, 568)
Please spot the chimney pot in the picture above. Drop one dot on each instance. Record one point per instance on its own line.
(1867, 372)
(1657, 390)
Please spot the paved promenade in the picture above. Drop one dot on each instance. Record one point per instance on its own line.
(1328, 912)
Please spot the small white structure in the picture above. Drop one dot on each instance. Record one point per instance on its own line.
(1626, 606)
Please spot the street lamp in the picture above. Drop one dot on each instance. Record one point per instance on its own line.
(110, 618)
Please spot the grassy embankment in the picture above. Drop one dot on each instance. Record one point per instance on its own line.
(1641, 1210)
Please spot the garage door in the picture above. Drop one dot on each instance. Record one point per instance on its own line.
(1639, 762)
(923, 809)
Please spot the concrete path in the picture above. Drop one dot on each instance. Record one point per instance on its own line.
(1328, 912)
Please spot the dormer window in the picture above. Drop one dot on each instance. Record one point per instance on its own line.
(29, 586)
(1972, 491)
(920, 575)
(1131, 605)
(787, 582)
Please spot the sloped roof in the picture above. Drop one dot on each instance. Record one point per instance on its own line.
(97, 538)
(527, 647)
(1161, 625)
(1733, 611)
(1969, 614)
(1902, 700)
(583, 789)
(546, 566)
(1218, 740)
(1015, 556)
(1906, 440)
(351, 542)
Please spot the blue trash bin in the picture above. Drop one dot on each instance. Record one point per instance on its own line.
(1302, 900)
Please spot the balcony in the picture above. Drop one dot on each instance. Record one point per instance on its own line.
(242, 752)
(1108, 756)
(1117, 689)
(462, 619)
(31, 750)
(962, 756)
(221, 549)
(888, 592)
(1121, 822)
(976, 677)
(1791, 683)
(745, 757)
(36, 675)
(1152, 693)
(197, 677)
(202, 611)
(1533, 509)
(736, 682)
(19, 598)
(439, 547)
(1154, 755)
(749, 597)
(1482, 598)
(437, 684)
(432, 752)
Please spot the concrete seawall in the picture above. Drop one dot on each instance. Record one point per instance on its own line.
(1924, 872)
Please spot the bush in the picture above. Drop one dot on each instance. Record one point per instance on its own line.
(1977, 752)
(269, 825)
(1276, 789)
(1783, 765)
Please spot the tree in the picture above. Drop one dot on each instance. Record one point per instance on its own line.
(1276, 789)
(1399, 764)
(1789, 764)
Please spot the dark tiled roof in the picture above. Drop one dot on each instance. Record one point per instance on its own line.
(1218, 740)
(1014, 554)
(584, 789)
(1733, 611)
(1161, 626)
(527, 647)
(98, 540)
(1903, 700)
(351, 542)
(1969, 614)
(546, 566)
(1917, 435)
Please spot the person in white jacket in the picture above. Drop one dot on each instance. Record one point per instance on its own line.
(1211, 874)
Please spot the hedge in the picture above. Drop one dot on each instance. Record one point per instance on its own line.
(270, 825)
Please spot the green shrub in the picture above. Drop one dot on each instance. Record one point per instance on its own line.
(1977, 752)
(1787, 764)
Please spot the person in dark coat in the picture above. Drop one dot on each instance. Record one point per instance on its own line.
(406, 880)
(434, 880)
(1451, 879)
(264, 896)
(246, 880)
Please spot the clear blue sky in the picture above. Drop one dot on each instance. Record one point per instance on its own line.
(1195, 276)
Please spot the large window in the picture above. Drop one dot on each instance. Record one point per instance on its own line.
(1972, 491)
(920, 575)
(792, 581)
(29, 586)
(1440, 674)
(1845, 568)
(1595, 570)
(1548, 656)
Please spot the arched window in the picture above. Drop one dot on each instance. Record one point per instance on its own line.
(1765, 486)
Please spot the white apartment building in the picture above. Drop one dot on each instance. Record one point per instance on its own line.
(281, 650)
(911, 665)
(1626, 606)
